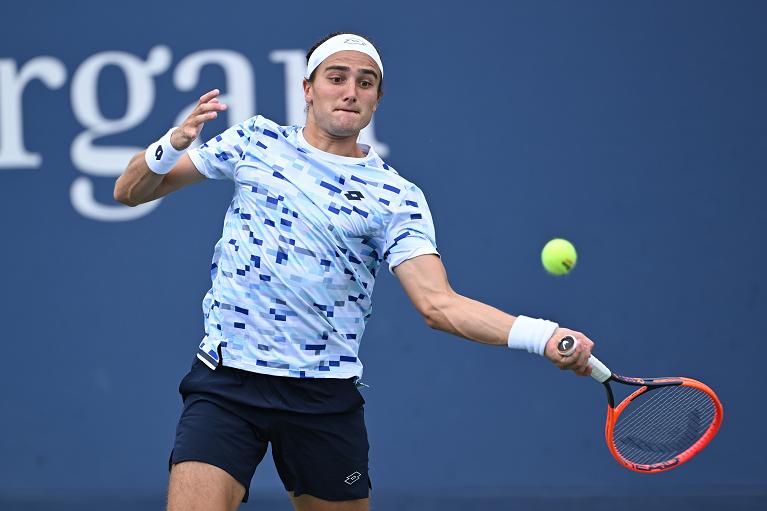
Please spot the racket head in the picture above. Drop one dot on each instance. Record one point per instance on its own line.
(662, 424)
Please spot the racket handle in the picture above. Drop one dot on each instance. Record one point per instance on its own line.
(599, 371)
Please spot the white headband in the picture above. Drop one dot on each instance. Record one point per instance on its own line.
(338, 43)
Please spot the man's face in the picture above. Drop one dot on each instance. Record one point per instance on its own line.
(344, 94)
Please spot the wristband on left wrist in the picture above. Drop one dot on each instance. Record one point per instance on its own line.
(161, 156)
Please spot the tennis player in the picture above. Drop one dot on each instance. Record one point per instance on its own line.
(313, 217)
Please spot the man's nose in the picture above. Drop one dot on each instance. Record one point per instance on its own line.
(350, 92)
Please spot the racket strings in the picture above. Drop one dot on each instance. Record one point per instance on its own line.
(663, 423)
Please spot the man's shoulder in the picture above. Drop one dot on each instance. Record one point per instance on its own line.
(261, 124)
(394, 178)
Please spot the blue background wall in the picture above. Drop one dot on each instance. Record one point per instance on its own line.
(634, 129)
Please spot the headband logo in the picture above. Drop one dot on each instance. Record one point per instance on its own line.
(354, 41)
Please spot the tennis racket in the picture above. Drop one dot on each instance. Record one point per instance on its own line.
(661, 424)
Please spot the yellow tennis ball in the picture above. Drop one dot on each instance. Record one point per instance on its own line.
(558, 256)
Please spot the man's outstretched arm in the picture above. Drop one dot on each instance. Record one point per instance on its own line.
(425, 281)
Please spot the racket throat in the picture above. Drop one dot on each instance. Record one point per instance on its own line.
(610, 397)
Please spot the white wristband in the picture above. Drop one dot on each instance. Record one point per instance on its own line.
(161, 155)
(531, 334)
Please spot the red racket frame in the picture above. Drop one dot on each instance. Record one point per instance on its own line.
(646, 384)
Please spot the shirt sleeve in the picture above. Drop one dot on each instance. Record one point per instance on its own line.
(216, 158)
(410, 232)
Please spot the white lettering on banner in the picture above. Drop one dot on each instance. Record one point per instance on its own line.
(48, 70)
(295, 67)
(238, 92)
(240, 83)
(107, 161)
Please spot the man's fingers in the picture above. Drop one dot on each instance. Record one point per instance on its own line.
(207, 116)
(211, 105)
(205, 112)
(581, 366)
(583, 356)
(204, 115)
(578, 360)
(207, 108)
(210, 101)
(195, 123)
(209, 95)
(567, 363)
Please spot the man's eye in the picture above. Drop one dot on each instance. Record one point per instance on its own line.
(336, 79)
(366, 84)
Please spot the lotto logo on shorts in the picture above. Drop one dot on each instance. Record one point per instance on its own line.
(352, 478)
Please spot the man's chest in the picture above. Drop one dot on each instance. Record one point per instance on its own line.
(296, 191)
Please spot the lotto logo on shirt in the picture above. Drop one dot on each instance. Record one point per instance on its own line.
(354, 195)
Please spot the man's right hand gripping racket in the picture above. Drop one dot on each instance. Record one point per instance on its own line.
(659, 426)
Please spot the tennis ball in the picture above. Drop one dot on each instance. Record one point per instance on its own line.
(558, 256)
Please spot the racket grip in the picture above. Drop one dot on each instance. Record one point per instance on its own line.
(599, 371)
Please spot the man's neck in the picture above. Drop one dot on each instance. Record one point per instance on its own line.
(341, 146)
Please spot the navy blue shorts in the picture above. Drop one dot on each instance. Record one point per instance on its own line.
(316, 427)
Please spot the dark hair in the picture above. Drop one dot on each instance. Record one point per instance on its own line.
(331, 35)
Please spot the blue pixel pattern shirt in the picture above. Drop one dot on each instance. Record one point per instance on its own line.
(303, 240)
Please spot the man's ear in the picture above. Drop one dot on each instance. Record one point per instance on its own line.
(308, 92)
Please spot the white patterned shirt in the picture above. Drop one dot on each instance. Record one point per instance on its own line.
(303, 240)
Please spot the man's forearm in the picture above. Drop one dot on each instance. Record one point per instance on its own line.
(137, 183)
(459, 315)
(425, 281)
